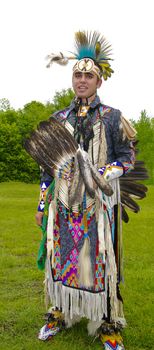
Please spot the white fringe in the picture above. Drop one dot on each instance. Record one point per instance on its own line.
(115, 198)
(70, 322)
(93, 326)
(101, 228)
(85, 268)
(75, 302)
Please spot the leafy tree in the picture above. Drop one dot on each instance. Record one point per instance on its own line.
(145, 135)
(31, 115)
(15, 127)
(62, 99)
(4, 104)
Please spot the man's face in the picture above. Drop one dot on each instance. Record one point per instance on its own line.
(85, 84)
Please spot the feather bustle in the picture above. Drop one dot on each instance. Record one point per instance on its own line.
(51, 145)
(133, 188)
(129, 202)
(125, 216)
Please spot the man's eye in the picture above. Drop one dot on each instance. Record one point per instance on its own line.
(89, 75)
(77, 75)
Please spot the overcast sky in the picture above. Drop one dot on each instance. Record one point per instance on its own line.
(31, 29)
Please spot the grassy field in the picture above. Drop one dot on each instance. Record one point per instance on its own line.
(21, 291)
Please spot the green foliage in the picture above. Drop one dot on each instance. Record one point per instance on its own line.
(15, 164)
(21, 294)
(31, 115)
(4, 104)
(145, 135)
(62, 99)
(15, 127)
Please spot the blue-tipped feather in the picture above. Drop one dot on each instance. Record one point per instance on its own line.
(86, 52)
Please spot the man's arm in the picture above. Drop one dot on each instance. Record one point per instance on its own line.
(124, 153)
(44, 186)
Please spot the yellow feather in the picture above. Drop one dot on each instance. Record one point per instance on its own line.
(97, 48)
(81, 38)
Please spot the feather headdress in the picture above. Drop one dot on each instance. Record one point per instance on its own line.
(91, 46)
(94, 46)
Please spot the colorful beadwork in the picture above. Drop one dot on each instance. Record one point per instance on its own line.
(99, 273)
(68, 241)
(43, 192)
(112, 342)
(48, 331)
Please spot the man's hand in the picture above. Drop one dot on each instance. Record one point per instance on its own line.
(39, 217)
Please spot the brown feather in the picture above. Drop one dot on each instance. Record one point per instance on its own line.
(100, 181)
(129, 202)
(76, 187)
(85, 172)
(81, 38)
(51, 145)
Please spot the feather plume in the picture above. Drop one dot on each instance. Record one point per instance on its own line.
(52, 146)
(125, 216)
(55, 129)
(131, 190)
(97, 48)
(129, 202)
(136, 174)
(135, 189)
(81, 38)
(92, 45)
(34, 149)
(57, 58)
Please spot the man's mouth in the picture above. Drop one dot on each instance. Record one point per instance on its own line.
(82, 88)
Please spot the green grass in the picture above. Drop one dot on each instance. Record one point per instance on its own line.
(21, 291)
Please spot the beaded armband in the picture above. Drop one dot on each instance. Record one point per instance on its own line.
(114, 170)
(43, 192)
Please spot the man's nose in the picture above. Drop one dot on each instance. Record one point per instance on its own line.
(83, 77)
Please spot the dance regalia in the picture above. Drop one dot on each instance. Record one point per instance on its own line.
(81, 248)
(99, 220)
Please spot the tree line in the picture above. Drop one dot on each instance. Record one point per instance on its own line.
(16, 126)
